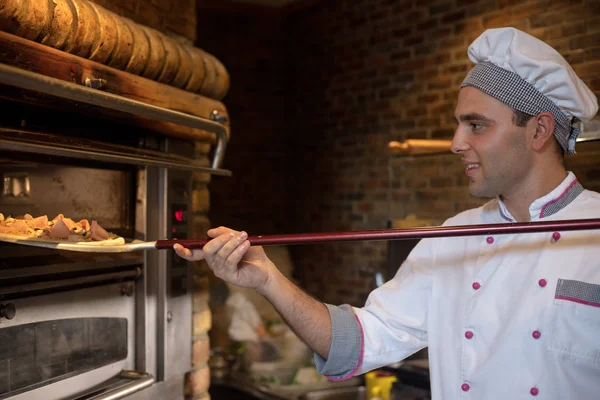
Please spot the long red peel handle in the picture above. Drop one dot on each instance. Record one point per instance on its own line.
(397, 234)
(187, 243)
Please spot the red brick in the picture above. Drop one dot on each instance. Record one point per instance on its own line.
(469, 25)
(428, 122)
(455, 68)
(413, 40)
(528, 9)
(201, 350)
(588, 70)
(451, 95)
(560, 45)
(441, 182)
(416, 112)
(439, 83)
(585, 42)
(197, 381)
(574, 28)
(481, 8)
(401, 32)
(439, 33)
(400, 55)
(453, 17)
(575, 57)
(442, 134)
(428, 98)
(593, 54)
(593, 23)
(441, 8)
(555, 17)
(415, 16)
(496, 20)
(558, 4)
(509, 3)
(427, 73)
(427, 25)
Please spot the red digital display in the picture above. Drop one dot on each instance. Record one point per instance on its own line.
(179, 215)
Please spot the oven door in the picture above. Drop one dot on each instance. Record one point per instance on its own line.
(84, 335)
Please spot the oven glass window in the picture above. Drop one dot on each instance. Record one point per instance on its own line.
(37, 354)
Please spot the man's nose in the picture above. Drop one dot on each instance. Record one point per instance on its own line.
(459, 144)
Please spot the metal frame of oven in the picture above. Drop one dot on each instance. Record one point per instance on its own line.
(163, 349)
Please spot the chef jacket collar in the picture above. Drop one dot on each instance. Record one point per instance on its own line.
(549, 204)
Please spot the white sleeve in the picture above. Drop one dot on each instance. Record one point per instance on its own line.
(390, 327)
(395, 317)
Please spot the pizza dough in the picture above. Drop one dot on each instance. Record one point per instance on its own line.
(58, 230)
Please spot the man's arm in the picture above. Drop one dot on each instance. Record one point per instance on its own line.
(231, 258)
(308, 318)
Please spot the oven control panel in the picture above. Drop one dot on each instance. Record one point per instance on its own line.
(178, 226)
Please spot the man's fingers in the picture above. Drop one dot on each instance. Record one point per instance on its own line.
(237, 254)
(188, 254)
(213, 233)
(223, 257)
(212, 248)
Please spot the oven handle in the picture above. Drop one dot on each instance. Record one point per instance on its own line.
(139, 381)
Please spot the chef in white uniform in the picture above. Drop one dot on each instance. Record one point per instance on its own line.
(504, 316)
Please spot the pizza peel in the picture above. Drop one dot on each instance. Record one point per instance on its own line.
(121, 245)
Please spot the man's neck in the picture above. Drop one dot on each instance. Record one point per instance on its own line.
(519, 201)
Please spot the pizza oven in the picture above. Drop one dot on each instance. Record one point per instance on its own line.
(96, 326)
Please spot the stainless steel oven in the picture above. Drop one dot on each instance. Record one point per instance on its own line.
(95, 326)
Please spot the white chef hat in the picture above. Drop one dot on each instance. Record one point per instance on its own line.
(530, 76)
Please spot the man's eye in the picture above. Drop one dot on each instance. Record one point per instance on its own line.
(476, 126)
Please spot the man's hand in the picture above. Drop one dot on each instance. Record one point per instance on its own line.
(231, 258)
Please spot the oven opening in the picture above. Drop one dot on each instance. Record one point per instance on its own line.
(66, 313)
(40, 353)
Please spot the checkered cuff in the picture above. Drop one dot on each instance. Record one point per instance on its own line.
(345, 350)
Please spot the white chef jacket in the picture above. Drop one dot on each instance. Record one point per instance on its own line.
(513, 316)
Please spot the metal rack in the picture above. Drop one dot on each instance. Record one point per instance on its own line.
(23, 79)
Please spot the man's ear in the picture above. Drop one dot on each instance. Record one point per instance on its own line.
(544, 130)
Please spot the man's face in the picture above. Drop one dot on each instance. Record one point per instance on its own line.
(494, 150)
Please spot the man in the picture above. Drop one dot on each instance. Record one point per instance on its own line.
(504, 317)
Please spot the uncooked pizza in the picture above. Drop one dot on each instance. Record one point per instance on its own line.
(59, 229)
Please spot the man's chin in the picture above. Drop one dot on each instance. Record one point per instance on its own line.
(480, 191)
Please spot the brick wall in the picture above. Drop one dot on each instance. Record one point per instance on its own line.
(198, 379)
(249, 40)
(358, 74)
(362, 73)
(177, 18)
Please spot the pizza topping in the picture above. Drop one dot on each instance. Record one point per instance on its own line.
(98, 233)
(60, 230)
(70, 224)
(57, 228)
(17, 227)
(85, 225)
(38, 223)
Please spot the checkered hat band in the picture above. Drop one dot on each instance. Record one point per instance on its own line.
(519, 94)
